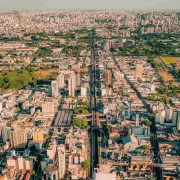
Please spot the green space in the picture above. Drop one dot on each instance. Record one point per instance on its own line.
(169, 60)
(80, 123)
(147, 122)
(16, 79)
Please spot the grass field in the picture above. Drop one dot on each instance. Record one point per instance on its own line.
(170, 60)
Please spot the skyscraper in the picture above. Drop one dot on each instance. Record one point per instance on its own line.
(38, 136)
(60, 80)
(76, 68)
(55, 88)
(137, 119)
(1, 106)
(139, 70)
(83, 91)
(72, 85)
(6, 133)
(61, 160)
(18, 138)
(108, 77)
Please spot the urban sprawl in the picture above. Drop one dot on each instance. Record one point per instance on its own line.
(90, 95)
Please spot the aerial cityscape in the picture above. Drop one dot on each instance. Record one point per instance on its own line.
(89, 94)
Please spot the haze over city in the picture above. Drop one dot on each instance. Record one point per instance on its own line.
(88, 4)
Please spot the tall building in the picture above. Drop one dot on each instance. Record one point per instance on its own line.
(1, 106)
(169, 113)
(5, 133)
(83, 91)
(153, 88)
(55, 88)
(137, 119)
(21, 164)
(178, 121)
(51, 172)
(108, 77)
(60, 80)
(28, 163)
(160, 116)
(76, 68)
(61, 160)
(72, 85)
(139, 70)
(12, 161)
(38, 137)
(48, 107)
(18, 138)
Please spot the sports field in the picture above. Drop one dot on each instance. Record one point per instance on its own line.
(170, 60)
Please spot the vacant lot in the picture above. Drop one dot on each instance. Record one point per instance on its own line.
(170, 60)
(45, 73)
(166, 76)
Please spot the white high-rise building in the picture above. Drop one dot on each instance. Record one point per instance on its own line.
(137, 119)
(21, 163)
(1, 106)
(160, 116)
(153, 88)
(72, 85)
(169, 112)
(55, 88)
(175, 117)
(60, 80)
(61, 160)
(83, 91)
(178, 121)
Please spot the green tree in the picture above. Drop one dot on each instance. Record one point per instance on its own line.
(46, 136)
(145, 147)
(17, 110)
(1, 56)
(147, 122)
(126, 127)
(106, 129)
(80, 123)
(32, 172)
(86, 164)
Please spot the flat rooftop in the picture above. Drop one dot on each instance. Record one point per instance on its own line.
(63, 118)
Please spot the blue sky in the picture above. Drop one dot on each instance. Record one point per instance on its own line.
(89, 4)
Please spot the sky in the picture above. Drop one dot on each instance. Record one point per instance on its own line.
(88, 4)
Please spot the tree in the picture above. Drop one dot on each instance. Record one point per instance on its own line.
(106, 129)
(46, 136)
(1, 56)
(32, 172)
(140, 167)
(8, 124)
(80, 123)
(147, 122)
(86, 164)
(145, 147)
(17, 110)
(126, 127)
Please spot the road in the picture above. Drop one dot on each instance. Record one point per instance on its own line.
(154, 139)
(94, 130)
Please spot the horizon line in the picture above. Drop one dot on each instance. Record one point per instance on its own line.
(84, 9)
